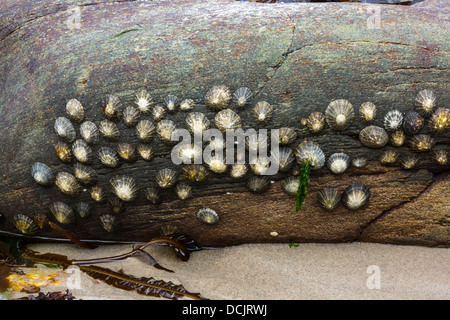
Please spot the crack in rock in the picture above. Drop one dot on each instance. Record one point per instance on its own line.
(400, 205)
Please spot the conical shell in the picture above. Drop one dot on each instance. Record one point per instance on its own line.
(355, 196)
(42, 174)
(218, 98)
(75, 110)
(125, 188)
(310, 151)
(109, 130)
(373, 137)
(62, 212)
(64, 129)
(208, 216)
(367, 111)
(393, 120)
(338, 162)
(425, 102)
(329, 198)
(339, 114)
(242, 97)
(89, 132)
(227, 119)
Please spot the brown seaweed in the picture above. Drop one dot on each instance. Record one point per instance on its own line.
(142, 285)
(70, 236)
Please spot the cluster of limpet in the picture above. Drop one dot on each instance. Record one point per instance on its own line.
(98, 143)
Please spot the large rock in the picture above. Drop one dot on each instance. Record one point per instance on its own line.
(298, 57)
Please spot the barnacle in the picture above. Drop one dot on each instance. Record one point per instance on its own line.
(67, 183)
(64, 129)
(425, 101)
(171, 102)
(145, 151)
(398, 138)
(367, 111)
(40, 219)
(62, 212)
(84, 174)
(197, 123)
(131, 116)
(158, 113)
(152, 194)
(89, 132)
(42, 174)
(183, 190)
(409, 161)
(187, 105)
(108, 157)
(217, 98)
(75, 110)
(290, 185)
(359, 162)
(216, 144)
(195, 172)
(315, 122)
(242, 96)
(208, 216)
(260, 166)
(116, 205)
(165, 129)
(262, 112)
(83, 209)
(216, 163)
(112, 108)
(227, 119)
(108, 221)
(440, 120)
(238, 170)
(166, 178)
(393, 120)
(125, 188)
(63, 152)
(126, 151)
(169, 230)
(339, 114)
(189, 152)
(389, 157)
(145, 130)
(143, 101)
(82, 151)
(109, 130)
(421, 142)
(287, 136)
(413, 122)
(328, 198)
(285, 159)
(338, 162)
(373, 137)
(441, 157)
(97, 194)
(355, 196)
(25, 224)
(256, 142)
(258, 184)
(310, 152)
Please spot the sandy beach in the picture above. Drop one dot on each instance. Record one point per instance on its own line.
(275, 272)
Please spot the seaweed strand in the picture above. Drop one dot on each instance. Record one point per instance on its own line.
(302, 190)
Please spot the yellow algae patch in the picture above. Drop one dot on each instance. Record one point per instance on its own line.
(36, 279)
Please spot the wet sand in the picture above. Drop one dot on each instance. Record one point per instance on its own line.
(276, 271)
